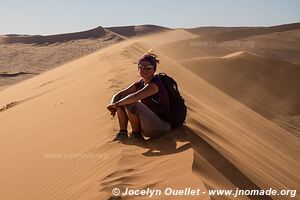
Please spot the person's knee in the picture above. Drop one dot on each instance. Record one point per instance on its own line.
(132, 108)
(121, 109)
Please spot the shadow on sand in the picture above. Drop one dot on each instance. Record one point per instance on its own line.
(167, 145)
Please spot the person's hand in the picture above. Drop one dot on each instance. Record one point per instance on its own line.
(112, 108)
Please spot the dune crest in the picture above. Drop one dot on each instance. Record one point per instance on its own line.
(39, 39)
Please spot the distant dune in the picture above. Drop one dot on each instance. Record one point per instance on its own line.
(130, 31)
(277, 42)
(231, 33)
(37, 54)
(39, 39)
(214, 30)
(125, 31)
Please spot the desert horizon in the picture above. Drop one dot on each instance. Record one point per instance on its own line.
(241, 134)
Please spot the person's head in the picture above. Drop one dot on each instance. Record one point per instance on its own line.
(147, 65)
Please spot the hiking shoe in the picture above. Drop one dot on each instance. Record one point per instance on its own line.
(121, 136)
(136, 136)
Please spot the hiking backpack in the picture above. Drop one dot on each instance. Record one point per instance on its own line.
(177, 107)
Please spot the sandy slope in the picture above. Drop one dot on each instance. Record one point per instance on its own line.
(280, 43)
(55, 136)
(251, 80)
(264, 77)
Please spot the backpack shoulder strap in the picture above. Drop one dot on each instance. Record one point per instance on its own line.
(140, 85)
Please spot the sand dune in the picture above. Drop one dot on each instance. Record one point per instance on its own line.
(21, 52)
(282, 46)
(213, 30)
(246, 68)
(56, 134)
(36, 54)
(98, 32)
(130, 31)
(39, 39)
(278, 42)
(225, 34)
(35, 59)
(251, 80)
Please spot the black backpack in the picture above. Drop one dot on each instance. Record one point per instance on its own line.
(178, 108)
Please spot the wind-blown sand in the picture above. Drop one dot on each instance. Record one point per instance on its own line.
(268, 86)
(23, 56)
(261, 71)
(56, 133)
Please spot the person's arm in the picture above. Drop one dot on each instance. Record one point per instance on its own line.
(123, 93)
(147, 91)
(116, 97)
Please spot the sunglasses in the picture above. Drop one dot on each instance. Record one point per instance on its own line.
(145, 67)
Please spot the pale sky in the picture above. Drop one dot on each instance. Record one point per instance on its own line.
(63, 16)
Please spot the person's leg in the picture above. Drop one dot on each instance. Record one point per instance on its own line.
(134, 120)
(146, 121)
(122, 118)
(123, 122)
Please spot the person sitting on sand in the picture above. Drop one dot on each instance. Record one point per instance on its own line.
(145, 103)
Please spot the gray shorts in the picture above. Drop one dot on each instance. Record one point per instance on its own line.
(151, 124)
